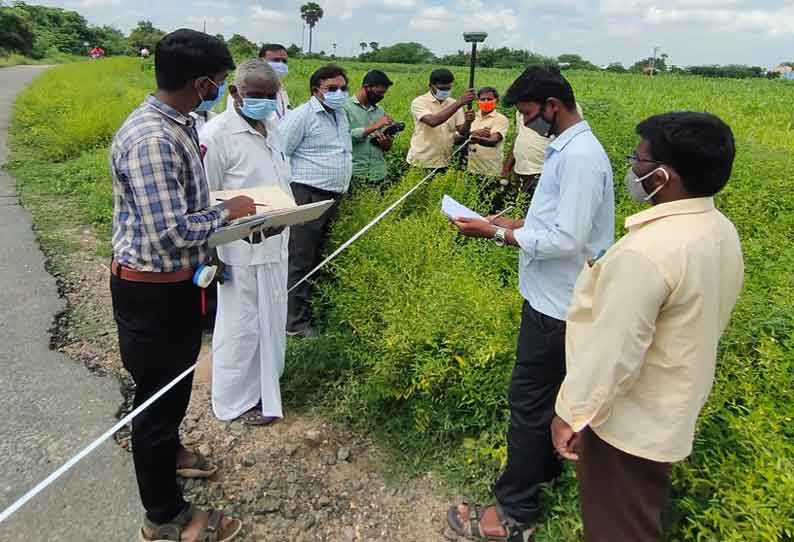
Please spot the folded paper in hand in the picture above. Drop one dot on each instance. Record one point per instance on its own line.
(275, 209)
(454, 210)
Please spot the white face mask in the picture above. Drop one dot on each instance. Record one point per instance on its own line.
(637, 190)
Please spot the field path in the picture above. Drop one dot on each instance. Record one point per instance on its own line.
(51, 406)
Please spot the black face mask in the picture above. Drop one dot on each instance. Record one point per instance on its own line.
(373, 98)
(540, 125)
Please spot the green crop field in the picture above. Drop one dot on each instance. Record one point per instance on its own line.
(420, 325)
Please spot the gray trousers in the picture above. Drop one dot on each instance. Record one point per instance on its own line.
(306, 243)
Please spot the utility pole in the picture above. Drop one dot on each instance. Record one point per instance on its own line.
(653, 66)
(205, 26)
(303, 36)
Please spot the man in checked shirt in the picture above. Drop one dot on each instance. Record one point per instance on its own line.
(162, 219)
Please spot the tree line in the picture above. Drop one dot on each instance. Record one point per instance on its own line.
(40, 31)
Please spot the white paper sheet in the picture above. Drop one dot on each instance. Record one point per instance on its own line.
(453, 209)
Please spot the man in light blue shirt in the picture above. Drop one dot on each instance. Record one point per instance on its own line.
(570, 222)
(317, 142)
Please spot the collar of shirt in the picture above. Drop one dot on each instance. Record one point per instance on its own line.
(679, 207)
(559, 142)
(168, 111)
(318, 107)
(368, 107)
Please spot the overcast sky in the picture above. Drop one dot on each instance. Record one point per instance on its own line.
(691, 32)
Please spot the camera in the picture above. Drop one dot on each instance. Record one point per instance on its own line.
(393, 129)
(390, 131)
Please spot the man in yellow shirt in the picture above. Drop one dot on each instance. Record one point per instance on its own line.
(643, 329)
(488, 133)
(437, 119)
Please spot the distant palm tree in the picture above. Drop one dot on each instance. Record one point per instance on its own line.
(311, 12)
(374, 45)
(363, 46)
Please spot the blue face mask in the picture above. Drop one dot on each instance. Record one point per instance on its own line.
(207, 105)
(441, 95)
(335, 99)
(281, 68)
(258, 108)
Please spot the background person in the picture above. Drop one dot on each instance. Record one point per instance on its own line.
(162, 219)
(317, 141)
(244, 150)
(523, 162)
(366, 120)
(570, 220)
(644, 326)
(437, 118)
(488, 133)
(277, 57)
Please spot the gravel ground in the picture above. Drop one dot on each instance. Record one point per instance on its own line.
(301, 479)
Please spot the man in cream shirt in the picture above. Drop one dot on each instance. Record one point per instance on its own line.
(527, 153)
(437, 119)
(488, 133)
(643, 329)
(244, 150)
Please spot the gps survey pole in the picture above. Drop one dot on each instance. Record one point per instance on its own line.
(474, 38)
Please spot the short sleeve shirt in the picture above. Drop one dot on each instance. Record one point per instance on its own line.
(488, 160)
(432, 147)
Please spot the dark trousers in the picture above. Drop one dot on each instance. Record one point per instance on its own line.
(623, 497)
(160, 327)
(537, 376)
(306, 243)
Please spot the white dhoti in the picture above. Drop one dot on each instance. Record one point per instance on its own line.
(249, 342)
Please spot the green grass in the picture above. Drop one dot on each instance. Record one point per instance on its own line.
(15, 59)
(421, 324)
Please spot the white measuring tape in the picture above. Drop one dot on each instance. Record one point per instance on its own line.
(41, 486)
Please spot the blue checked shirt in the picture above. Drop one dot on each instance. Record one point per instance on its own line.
(319, 146)
(161, 210)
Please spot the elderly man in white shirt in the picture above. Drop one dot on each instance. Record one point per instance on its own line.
(243, 149)
(275, 56)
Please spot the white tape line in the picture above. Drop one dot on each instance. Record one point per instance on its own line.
(377, 219)
(41, 486)
(90, 448)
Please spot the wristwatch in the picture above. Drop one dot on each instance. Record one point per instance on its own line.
(499, 237)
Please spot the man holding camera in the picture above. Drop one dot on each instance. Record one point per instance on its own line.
(368, 122)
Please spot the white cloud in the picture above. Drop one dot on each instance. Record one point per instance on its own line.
(266, 14)
(399, 4)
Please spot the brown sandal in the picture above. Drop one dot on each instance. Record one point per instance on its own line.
(172, 531)
(200, 467)
(488, 524)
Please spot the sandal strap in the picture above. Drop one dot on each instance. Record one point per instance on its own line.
(212, 531)
(173, 529)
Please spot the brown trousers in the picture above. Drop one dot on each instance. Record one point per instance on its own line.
(623, 497)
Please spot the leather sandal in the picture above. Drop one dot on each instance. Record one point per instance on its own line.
(172, 531)
(200, 467)
(489, 524)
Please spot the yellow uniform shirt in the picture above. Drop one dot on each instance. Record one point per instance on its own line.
(488, 160)
(530, 147)
(643, 328)
(432, 147)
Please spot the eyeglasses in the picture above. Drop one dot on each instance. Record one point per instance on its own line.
(632, 159)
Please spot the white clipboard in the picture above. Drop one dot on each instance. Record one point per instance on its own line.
(243, 228)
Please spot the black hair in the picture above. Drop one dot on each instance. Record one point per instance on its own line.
(184, 55)
(270, 47)
(699, 146)
(483, 90)
(441, 76)
(538, 84)
(326, 72)
(376, 78)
